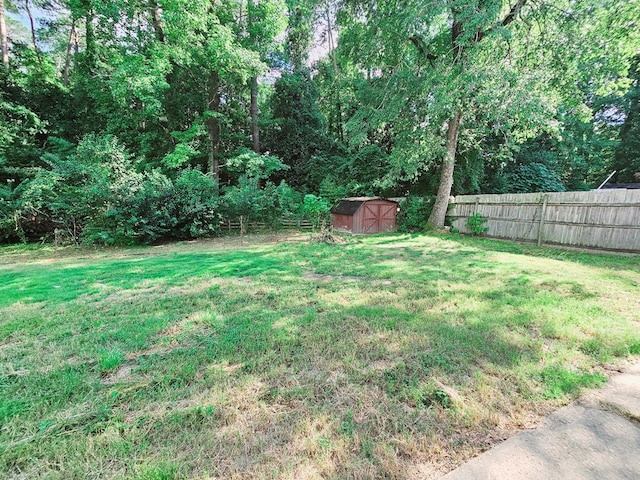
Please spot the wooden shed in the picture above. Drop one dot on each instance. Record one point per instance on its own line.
(364, 215)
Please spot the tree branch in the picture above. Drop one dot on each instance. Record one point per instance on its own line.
(509, 17)
(422, 48)
(515, 10)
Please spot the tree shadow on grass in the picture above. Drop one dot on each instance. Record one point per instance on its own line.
(610, 260)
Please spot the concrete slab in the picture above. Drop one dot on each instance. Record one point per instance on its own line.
(596, 439)
(622, 392)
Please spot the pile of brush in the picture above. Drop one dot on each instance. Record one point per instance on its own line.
(326, 235)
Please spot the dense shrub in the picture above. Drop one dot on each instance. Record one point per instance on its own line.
(197, 205)
(141, 210)
(316, 209)
(413, 214)
(93, 193)
(10, 230)
(534, 177)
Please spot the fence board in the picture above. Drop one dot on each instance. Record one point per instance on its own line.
(601, 219)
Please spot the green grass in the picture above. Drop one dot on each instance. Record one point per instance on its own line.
(387, 357)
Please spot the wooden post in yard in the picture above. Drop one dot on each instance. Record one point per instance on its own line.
(543, 212)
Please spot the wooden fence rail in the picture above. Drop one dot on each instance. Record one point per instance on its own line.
(283, 222)
(600, 219)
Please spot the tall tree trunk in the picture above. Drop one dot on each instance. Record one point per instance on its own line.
(67, 60)
(439, 212)
(91, 49)
(255, 131)
(33, 31)
(213, 124)
(4, 37)
(436, 219)
(156, 15)
(336, 86)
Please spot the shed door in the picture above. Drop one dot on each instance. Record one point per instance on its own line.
(378, 217)
(387, 217)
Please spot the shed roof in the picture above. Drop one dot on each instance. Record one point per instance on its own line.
(347, 207)
(350, 205)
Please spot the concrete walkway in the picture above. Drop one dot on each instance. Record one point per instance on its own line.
(596, 438)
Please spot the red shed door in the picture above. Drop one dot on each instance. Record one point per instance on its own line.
(387, 217)
(378, 217)
(370, 218)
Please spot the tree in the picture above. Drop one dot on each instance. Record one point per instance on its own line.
(296, 132)
(4, 37)
(446, 75)
(299, 35)
(627, 155)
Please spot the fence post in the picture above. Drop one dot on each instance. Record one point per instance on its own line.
(543, 212)
(475, 208)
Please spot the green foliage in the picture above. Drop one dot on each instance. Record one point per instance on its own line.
(533, 177)
(413, 213)
(171, 81)
(141, 211)
(197, 204)
(94, 194)
(259, 204)
(254, 165)
(476, 223)
(627, 155)
(295, 134)
(10, 228)
(331, 191)
(316, 209)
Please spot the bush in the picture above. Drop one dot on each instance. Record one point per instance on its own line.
(413, 214)
(198, 205)
(289, 200)
(316, 210)
(10, 228)
(534, 177)
(141, 210)
(476, 224)
(94, 194)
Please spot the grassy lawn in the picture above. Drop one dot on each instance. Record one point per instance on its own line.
(392, 356)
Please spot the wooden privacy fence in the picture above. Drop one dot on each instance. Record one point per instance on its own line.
(600, 219)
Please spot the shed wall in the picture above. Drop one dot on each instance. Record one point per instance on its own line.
(342, 222)
(372, 216)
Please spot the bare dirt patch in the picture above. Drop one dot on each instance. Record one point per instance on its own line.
(122, 374)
